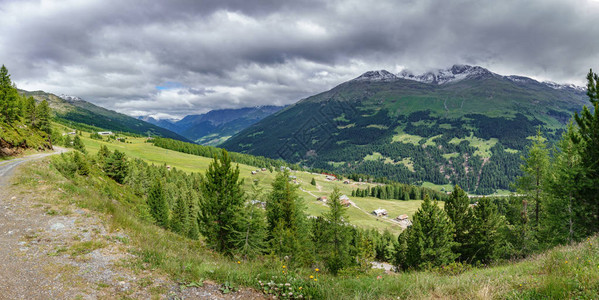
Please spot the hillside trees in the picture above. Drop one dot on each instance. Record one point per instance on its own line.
(9, 98)
(429, 241)
(457, 208)
(222, 200)
(336, 234)
(287, 224)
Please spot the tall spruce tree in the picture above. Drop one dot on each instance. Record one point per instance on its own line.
(287, 223)
(78, 144)
(587, 141)
(222, 200)
(531, 183)
(337, 234)
(561, 221)
(485, 237)
(252, 235)
(157, 203)
(9, 98)
(457, 208)
(42, 112)
(429, 241)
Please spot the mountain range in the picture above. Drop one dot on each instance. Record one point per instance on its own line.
(216, 126)
(462, 125)
(70, 109)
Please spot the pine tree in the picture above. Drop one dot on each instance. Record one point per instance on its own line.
(179, 221)
(287, 225)
(587, 141)
(116, 166)
(313, 182)
(9, 98)
(534, 168)
(78, 145)
(457, 209)
(252, 225)
(42, 112)
(485, 238)
(29, 112)
(430, 238)
(336, 234)
(223, 199)
(157, 203)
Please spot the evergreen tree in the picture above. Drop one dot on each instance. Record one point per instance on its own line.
(485, 238)
(223, 199)
(587, 141)
(336, 234)
(78, 144)
(561, 224)
(457, 208)
(116, 166)
(180, 218)
(313, 182)
(29, 112)
(157, 203)
(430, 238)
(42, 112)
(287, 226)
(9, 98)
(534, 168)
(252, 225)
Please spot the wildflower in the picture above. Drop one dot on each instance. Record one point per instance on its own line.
(300, 287)
(379, 277)
(566, 261)
(315, 279)
(238, 262)
(311, 276)
(284, 267)
(316, 270)
(287, 284)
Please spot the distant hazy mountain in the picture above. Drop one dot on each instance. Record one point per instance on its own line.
(216, 126)
(464, 125)
(75, 109)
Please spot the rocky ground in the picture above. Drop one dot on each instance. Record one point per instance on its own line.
(65, 252)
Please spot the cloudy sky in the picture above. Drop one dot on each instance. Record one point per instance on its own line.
(173, 58)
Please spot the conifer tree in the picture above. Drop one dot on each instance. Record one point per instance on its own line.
(42, 112)
(180, 218)
(336, 234)
(531, 184)
(485, 238)
(313, 182)
(430, 238)
(116, 166)
(78, 144)
(157, 203)
(223, 199)
(457, 209)
(252, 225)
(9, 98)
(29, 112)
(287, 225)
(587, 141)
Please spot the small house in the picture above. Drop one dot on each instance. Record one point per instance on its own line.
(105, 133)
(346, 181)
(331, 178)
(381, 212)
(345, 202)
(254, 172)
(322, 198)
(343, 197)
(263, 169)
(404, 221)
(168, 167)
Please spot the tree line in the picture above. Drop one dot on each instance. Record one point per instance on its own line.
(399, 191)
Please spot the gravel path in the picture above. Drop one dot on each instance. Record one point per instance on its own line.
(49, 252)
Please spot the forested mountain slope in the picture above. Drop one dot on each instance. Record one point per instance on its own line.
(464, 125)
(74, 109)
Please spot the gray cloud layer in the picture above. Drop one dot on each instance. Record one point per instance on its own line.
(172, 58)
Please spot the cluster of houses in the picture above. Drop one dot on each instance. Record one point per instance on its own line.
(258, 170)
(344, 199)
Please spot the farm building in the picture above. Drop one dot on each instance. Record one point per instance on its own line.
(105, 133)
(254, 172)
(381, 212)
(323, 199)
(345, 202)
(346, 181)
(404, 221)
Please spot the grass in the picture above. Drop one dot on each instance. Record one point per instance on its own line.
(563, 272)
(483, 146)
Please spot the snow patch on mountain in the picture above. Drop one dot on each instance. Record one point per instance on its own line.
(70, 98)
(551, 84)
(443, 76)
(373, 76)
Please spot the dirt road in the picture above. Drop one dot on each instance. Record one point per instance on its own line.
(51, 251)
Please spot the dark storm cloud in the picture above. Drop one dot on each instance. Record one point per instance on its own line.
(222, 54)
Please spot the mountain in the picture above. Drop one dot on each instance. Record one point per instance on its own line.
(216, 126)
(464, 125)
(75, 109)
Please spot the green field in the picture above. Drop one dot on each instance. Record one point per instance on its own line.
(359, 216)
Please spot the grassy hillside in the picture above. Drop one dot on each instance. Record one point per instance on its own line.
(471, 132)
(564, 272)
(18, 137)
(359, 215)
(79, 111)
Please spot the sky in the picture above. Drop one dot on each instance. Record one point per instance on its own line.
(173, 58)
